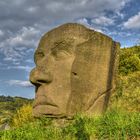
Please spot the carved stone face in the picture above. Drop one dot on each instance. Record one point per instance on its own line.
(52, 78)
(73, 71)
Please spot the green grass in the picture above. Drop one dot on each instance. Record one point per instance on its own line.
(113, 125)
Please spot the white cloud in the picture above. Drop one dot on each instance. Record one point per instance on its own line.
(84, 21)
(53, 12)
(1, 33)
(25, 37)
(103, 21)
(26, 68)
(16, 66)
(14, 47)
(138, 41)
(99, 30)
(133, 22)
(29, 61)
(120, 14)
(32, 9)
(83, 7)
(19, 83)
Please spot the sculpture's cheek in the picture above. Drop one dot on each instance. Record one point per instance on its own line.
(62, 82)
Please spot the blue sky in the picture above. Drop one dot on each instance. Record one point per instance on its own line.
(23, 22)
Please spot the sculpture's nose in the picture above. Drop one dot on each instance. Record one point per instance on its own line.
(39, 76)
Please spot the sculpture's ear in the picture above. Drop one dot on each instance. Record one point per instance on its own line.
(91, 72)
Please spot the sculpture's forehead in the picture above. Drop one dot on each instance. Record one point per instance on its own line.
(47, 45)
(67, 34)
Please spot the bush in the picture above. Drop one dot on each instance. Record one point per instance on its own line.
(22, 116)
(127, 94)
(129, 60)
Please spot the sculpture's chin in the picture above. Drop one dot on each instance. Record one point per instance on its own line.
(47, 110)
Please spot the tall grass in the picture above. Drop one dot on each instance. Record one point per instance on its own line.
(113, 125)
(127, 95)
(23, 115)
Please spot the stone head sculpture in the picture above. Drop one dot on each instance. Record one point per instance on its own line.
(74, 72)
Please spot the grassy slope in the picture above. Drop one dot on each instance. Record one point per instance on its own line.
(9, 105)
(114, 125)
(127, 95)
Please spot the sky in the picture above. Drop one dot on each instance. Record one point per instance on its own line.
(23, 22)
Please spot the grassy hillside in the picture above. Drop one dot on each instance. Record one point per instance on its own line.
(127, 94)
(120, 122)
(114, 125)
(9, 105)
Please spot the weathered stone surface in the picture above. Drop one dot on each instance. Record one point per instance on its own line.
(74, 73)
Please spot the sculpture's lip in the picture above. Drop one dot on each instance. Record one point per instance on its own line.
(47, 110)
(43, 100)
(47, 104)
(41, 104)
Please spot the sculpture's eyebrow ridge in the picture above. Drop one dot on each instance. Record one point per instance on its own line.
(59, 48)
(39, 53)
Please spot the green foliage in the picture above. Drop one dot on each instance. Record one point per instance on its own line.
(127, 95)
(6, 99)
(114, 125)
(22, 115)
(119, 125)
(129, 60)
(9, 105)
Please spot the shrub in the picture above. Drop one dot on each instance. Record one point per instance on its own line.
(23, 115)
(129, 60)
(127, 94)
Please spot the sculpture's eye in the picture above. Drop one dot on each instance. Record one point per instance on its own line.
(60, 54)
(38, 55)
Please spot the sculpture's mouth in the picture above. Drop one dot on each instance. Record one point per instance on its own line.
(48, 110)
(43, 100)
(45, 106)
